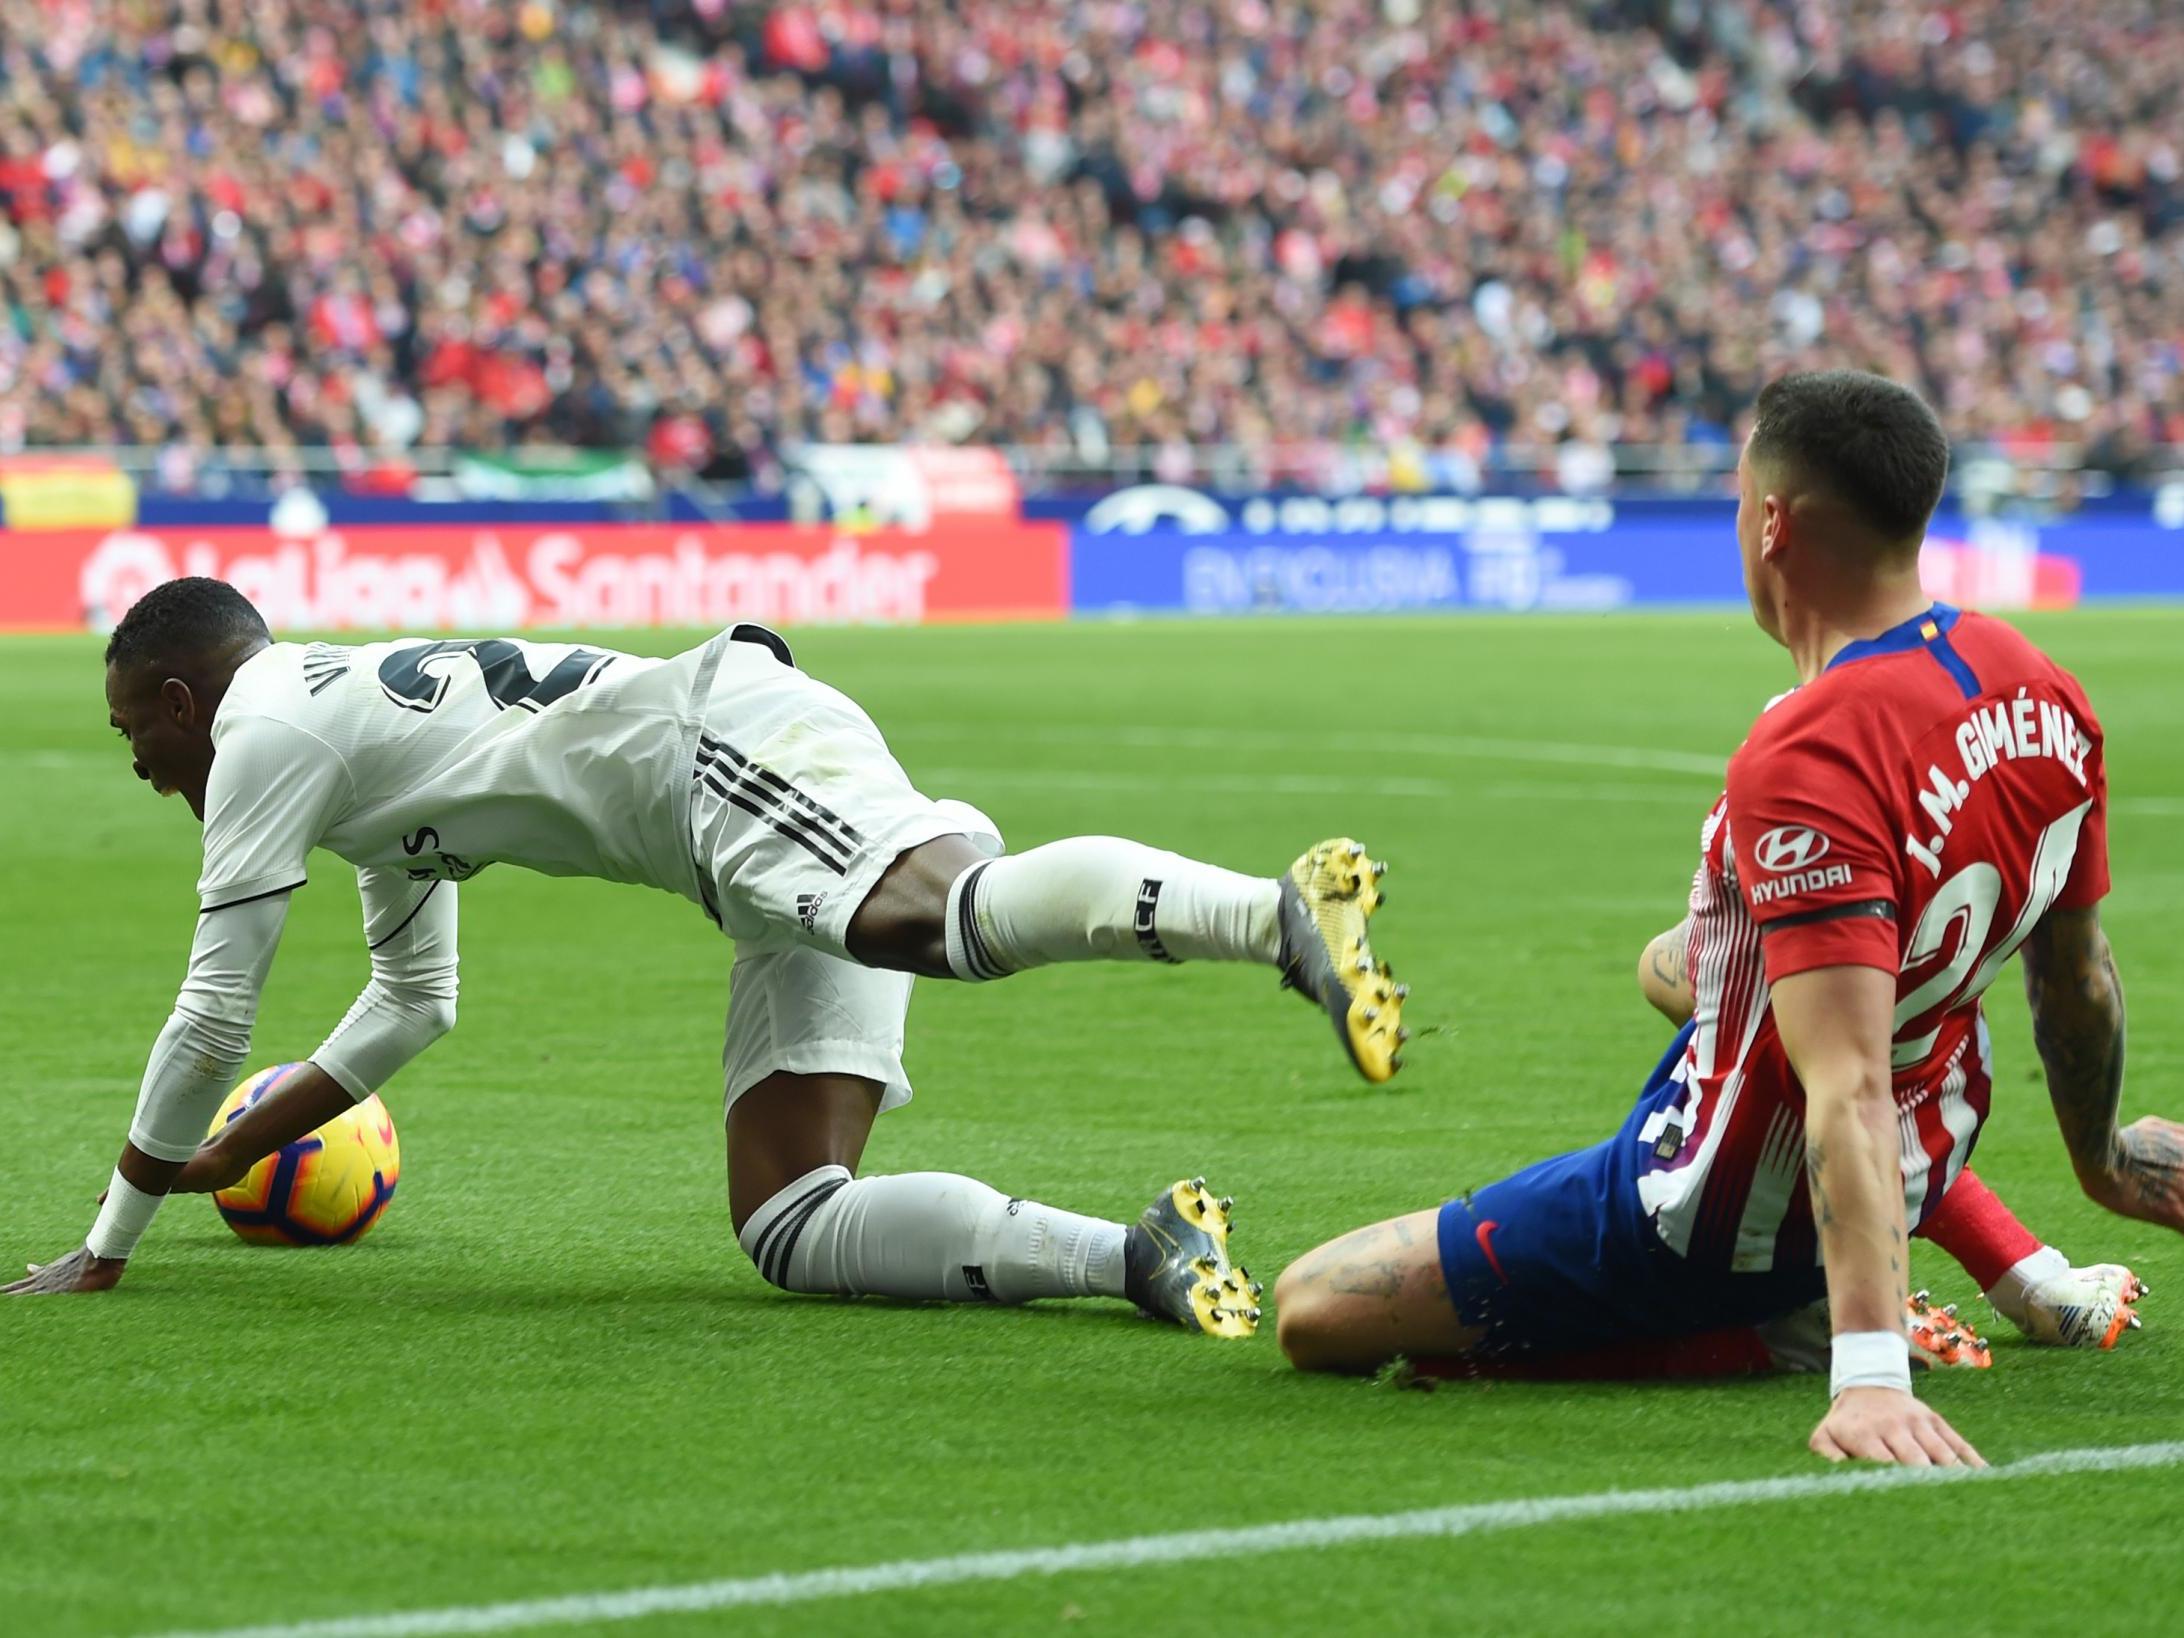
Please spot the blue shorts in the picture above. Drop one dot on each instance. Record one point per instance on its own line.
(1562, 1256)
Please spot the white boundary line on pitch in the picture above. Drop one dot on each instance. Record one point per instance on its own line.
(1183, 1547)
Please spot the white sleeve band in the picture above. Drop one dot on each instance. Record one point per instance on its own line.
(122, 1220)
(409, 1001)
(1869, 1359)
(201, 1052)
(383, 1030)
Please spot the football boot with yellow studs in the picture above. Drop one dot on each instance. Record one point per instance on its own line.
(1176, 1263)
(1327, 899)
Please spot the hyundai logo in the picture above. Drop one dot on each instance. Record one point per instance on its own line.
(1789, 847)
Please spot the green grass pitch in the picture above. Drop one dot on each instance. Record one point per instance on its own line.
(550, 1371)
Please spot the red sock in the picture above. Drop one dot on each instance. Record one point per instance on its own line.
(1972, 1225)
(1733, 1352)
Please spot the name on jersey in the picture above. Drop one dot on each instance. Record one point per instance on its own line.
(2007, 731)
(1771, 888)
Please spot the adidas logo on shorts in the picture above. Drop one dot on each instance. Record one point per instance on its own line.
(807, 910)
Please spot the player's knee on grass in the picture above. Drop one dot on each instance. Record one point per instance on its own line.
(1305, 1323)
(1361, 1300)
(774, 1234)
(1322, 1327)
(809, 1226)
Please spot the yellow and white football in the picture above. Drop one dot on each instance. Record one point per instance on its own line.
(327, 1189)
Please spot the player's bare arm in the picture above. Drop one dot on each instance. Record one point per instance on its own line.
(2078, 1027)
(299, 1106)
(1835, 1024)
(2028, 1282)
(1664, 976)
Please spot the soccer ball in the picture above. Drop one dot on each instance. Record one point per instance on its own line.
(323, 1190)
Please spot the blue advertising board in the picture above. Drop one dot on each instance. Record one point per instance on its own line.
(1164, 548)
(1159, 549)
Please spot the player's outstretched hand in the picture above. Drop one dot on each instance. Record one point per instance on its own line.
(1889, 1425)
(78, 1271)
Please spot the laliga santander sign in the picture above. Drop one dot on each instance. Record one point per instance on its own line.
(454, 577)
(315, 584)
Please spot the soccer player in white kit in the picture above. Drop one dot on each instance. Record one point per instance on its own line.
(727, 776)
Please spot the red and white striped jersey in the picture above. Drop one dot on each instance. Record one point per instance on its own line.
(1918, 807)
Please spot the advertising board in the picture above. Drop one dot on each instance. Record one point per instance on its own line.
(1163, 549)
(513, 577)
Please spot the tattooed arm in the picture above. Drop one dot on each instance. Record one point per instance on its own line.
(2077, 1024)
(1835, 1024)
(1662, 974)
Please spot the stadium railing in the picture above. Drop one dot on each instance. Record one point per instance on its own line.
(2059, 473)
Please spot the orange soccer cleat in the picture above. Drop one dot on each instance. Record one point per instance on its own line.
(1940, 1340)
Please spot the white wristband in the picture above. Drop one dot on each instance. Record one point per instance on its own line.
(1869, 1359)
(128, 1212)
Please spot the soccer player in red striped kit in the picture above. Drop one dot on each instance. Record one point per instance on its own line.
(1930, 800)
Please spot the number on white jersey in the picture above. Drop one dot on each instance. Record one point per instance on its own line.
(503, 662)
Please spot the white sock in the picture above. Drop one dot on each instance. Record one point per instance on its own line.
(2011, 1295)
(1100, 898)
(2034, 1269)
(928, 1235)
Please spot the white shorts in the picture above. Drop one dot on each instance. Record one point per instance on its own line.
(797, 809)
(814, 1014)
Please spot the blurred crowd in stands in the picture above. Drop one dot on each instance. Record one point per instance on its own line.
(712, 230)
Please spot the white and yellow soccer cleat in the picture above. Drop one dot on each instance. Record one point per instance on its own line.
(1176, 1264)
(1327, 899)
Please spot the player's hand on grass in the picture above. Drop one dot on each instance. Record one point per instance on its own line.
(78, 1271)
(1889, 1425)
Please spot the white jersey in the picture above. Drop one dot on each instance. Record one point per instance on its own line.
(723, 775)
(438, 758)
